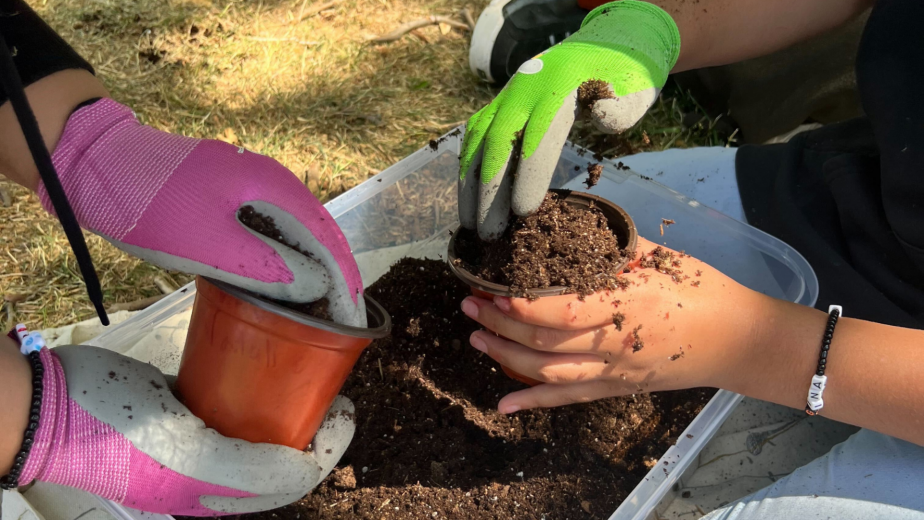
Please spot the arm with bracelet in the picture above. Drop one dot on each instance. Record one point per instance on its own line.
(729, 336)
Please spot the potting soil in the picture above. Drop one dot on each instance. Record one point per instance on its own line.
(429, 442)
(559, 245)
(592, 91)
(266, 226)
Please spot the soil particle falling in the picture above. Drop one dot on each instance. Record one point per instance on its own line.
(593, 174)
(664, 223)
(618, 320)
(266, 226)
(438, 404)
(559, 245)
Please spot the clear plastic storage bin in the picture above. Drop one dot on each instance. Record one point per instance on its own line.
(409, 209)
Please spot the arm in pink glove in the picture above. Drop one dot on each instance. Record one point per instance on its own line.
(109, 425)
(174, 201)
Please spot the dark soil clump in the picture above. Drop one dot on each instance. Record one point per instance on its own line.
(664, 262)
(266, 226)
(637, 343)
(559, 245)
(593, 174)
(435, 143)
(429, 439)
(592, 91)
(618, 320)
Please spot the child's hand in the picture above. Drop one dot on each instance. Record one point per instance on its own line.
(668, 330)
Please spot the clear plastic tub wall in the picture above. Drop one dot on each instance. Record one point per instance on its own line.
(409, 209)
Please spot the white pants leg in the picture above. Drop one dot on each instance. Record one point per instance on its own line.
(705, 174)
(870, 475)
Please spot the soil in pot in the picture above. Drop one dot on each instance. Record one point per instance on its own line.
(430, 444)
(559, 245)
(266, 226)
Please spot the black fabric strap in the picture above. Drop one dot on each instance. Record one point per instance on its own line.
(11, 84)
(38, 50)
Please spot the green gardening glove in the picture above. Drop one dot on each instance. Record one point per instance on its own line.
(611, 70)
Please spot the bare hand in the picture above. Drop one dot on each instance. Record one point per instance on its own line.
(679, 324)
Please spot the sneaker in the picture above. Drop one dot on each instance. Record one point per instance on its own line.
(510, 32)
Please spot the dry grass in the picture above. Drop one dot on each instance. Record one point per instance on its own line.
(310, 93)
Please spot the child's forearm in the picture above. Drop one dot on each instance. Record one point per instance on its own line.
(56, 80)
(718, 32)
(15, 399)
(874, 371)
(52, 98)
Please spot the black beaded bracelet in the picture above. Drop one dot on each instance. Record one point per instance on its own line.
(11, 481)
(815, 402)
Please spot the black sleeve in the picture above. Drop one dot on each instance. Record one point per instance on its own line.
(890, 76)
(38, 51)
(850, 196)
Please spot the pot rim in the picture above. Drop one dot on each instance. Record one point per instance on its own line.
(504, 290)
(374, 310)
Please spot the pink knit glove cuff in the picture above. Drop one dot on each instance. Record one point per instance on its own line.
(109, 425)
(174, 200)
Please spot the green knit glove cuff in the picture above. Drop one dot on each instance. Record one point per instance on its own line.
(638, 29)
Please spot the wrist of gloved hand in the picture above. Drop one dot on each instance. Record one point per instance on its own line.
(109, 425)
(174, 201)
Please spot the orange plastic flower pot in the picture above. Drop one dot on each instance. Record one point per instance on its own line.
(258, 371)
(619, 221)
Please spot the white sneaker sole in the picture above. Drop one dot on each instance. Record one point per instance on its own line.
(485, 34)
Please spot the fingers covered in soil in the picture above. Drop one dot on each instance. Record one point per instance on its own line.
(429, 438)
(664, 331)
(266, 226)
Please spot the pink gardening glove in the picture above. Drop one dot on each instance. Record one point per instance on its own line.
(109, 425)
(174, 200)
